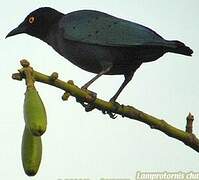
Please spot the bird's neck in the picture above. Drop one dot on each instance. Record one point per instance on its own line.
(51, 23)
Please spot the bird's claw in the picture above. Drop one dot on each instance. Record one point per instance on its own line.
(115, 107)
(90, 99)
(89, 107)
(90, 93)
(111, 115)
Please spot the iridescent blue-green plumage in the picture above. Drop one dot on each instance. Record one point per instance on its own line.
(99, 28)
(95, 27)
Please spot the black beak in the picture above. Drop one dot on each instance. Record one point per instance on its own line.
(20, 29)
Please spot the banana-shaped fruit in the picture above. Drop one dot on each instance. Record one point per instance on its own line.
(34, 112)
(31, 152)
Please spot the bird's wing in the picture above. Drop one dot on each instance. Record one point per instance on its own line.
(95, 27)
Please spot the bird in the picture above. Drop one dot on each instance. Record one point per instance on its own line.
(98, 42)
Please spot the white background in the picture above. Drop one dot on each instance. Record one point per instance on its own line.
(80, 144)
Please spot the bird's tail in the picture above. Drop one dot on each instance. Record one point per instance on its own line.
(179, 48)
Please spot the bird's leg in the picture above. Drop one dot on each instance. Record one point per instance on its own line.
(106, 69)
(127, 77)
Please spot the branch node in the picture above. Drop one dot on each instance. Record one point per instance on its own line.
(17, 76)
(24, 63)
(70, 82)
(88, 101)
(90, 98)
(189, 125)
(190, 139)
(27, 73)
(65, 96)
(54, 76)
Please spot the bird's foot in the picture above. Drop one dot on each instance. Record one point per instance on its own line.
(89, 107)
(110, 113)
(90, 99)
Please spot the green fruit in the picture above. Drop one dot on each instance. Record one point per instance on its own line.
(34, 112)
(31, 152)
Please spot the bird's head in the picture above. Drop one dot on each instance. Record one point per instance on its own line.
(38, 23)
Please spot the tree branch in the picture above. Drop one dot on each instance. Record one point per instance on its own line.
(88, 99)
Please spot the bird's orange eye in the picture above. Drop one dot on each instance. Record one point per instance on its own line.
(31, 19)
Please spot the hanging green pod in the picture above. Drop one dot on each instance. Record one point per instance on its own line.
(34, 112)
(31, 152)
